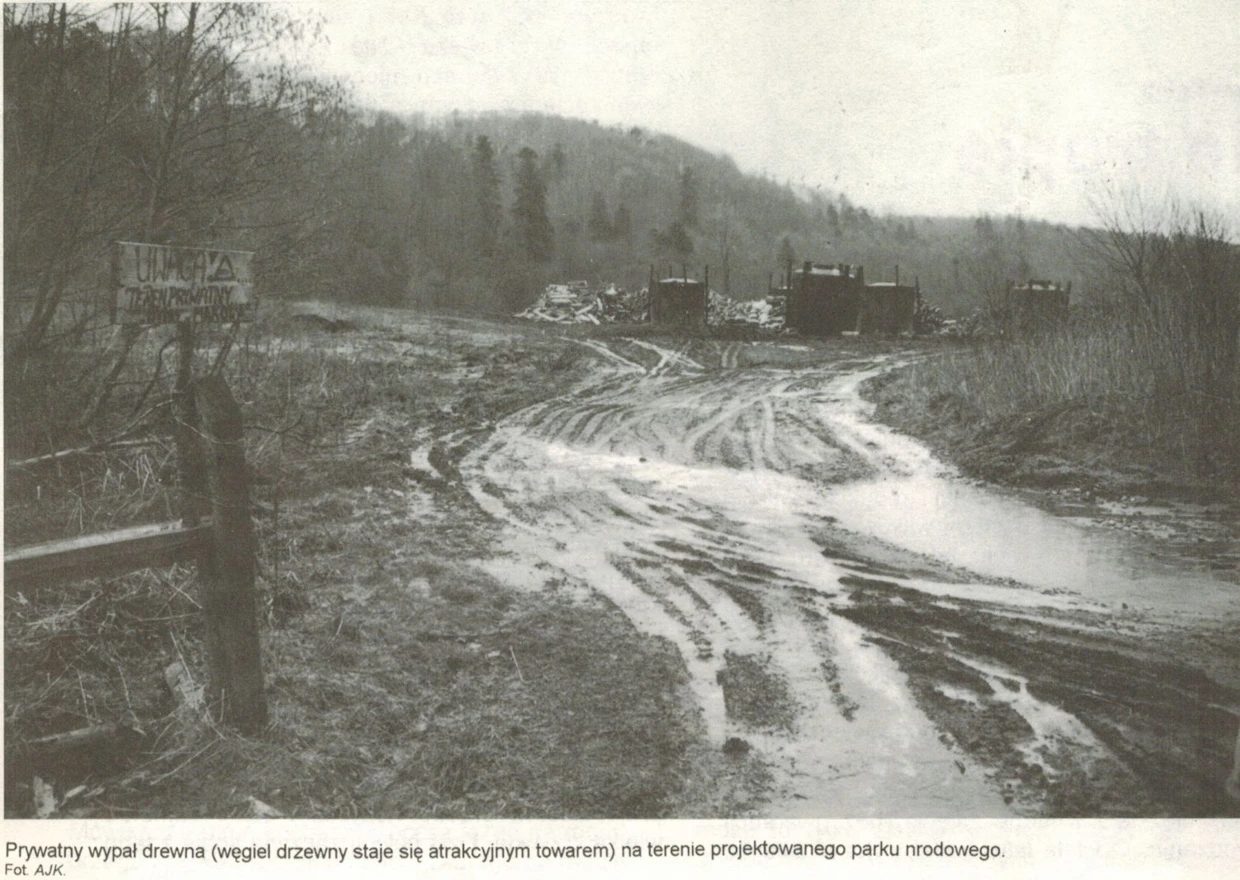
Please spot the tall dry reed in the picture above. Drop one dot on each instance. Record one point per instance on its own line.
(1149, 382)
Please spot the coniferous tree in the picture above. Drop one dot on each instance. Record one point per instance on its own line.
(848, 215)
(559, 159)
(833, 220)
(599, 224)
(675, 242)
(486, 187)
(787, 253)
(530, 209)
(689, 199)
(622, 226)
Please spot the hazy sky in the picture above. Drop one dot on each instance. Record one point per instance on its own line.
(951, 107)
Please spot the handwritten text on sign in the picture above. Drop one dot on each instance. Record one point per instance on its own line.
(158, 284)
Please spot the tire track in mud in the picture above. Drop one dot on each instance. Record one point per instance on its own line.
(693, 499)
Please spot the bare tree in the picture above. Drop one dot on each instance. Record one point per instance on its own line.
(1174, 273)
(169, 123)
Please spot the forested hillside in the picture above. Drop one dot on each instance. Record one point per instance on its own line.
(618, 200)
(188, 125)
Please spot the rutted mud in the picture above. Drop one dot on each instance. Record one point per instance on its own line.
(823, 582)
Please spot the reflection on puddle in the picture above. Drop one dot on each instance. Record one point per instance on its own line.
(918, 504)
(999, 537)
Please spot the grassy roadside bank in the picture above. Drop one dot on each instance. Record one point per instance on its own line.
(1087, 408)
(405, 676)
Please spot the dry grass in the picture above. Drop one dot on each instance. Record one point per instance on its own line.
(403, 680)
(1096, 393)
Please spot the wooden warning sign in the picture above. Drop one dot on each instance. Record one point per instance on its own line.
(160, 284)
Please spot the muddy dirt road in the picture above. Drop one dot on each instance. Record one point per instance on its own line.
(885, 638)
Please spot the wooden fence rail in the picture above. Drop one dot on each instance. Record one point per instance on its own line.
(106, 554)
(216, 534)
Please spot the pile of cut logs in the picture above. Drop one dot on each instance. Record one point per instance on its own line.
(577, 303)
(768, 313)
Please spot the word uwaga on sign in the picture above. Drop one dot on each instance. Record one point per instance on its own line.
(160, 284)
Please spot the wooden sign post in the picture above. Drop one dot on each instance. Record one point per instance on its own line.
(162, 284)
(235, 688)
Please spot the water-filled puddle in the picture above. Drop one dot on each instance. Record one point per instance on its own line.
(921, 505)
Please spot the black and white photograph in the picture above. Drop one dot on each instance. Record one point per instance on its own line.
(630, 410)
